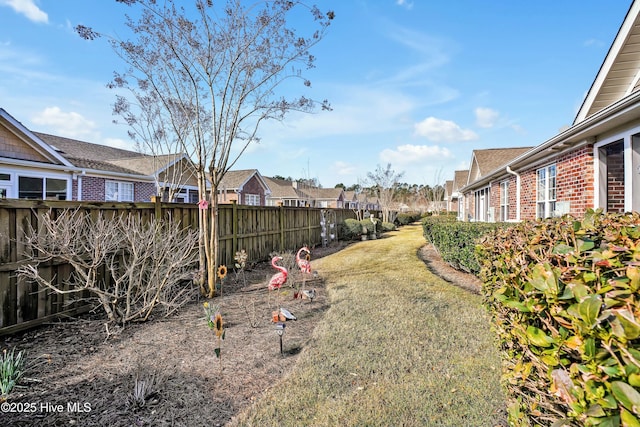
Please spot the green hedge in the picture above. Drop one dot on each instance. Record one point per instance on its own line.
(387, 226)
(352, 229)
(455, 241)
(563, 296)
(406, 218)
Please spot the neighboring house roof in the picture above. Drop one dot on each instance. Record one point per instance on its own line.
(618, 74)
(460, 178)
(281, 189)
(148, 164)
(326, 193)
(488, 160)
(448, 188)
(350, 196)
(235, 180)
(109, 159)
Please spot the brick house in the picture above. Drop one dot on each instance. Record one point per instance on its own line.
(284, 193)
(245, 187)
(40, 166)
(452, 195)
(360, 201)
(595, 163)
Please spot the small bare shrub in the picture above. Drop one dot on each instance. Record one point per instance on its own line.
(148, 262)
(146, 390)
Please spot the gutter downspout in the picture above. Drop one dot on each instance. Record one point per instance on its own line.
(517, 175)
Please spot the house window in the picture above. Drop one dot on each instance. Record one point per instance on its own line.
(504, 200)
(42, 188)
(252, 199)
(546, 189)
(118, 191)
(482, 204)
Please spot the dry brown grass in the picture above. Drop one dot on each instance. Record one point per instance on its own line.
(397, 347)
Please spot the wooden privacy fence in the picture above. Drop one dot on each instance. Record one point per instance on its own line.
(259, 230)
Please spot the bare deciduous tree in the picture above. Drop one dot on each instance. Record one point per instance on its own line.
(383, 183)
(149, 263)
(210, 72)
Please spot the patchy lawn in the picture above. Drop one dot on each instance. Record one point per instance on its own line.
(397, 346)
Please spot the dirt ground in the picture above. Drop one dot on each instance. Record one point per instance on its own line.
(79, 375)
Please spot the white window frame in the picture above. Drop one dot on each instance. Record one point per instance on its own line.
(546, 191)
(13, 184)
(631, 169)
(251, 199)
(504, 200)
(484, 195)
(120, 194)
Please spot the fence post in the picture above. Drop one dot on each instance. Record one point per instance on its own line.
(309, 226)
(157, 208)
(281, 221)
(234, 226)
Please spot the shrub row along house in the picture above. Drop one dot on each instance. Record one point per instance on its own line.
(41, 166)
(595, 163)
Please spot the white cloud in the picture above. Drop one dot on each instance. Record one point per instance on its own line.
(408, 154)
(486, 117)
(593, 42)
(443, 130)
(27, 8)
(405, 3)
(71, 125)
(358, 110)
(343, 168)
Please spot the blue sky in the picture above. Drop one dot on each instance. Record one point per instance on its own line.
(415, 83)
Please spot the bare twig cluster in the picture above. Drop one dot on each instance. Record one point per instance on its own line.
(132, 267)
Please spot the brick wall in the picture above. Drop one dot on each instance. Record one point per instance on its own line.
(575, 179)
(93, 188)
(253, 187)
(143, 191)
(574, 183)
(494, 199)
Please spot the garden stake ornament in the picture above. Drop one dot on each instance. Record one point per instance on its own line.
(280, 331)
(216, 323)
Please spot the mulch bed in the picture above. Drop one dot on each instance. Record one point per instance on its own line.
(79, 375)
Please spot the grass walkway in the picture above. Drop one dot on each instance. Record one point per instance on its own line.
(397, 347)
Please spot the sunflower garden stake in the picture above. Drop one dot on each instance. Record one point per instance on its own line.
(222, 273)
(215, 322)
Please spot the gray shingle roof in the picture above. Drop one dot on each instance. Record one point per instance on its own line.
(233, 180)
(282, 189)
(491, 159)
(101, 157)
(460, 179)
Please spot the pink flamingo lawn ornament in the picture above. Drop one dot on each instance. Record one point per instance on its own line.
(278, 279)
(303, 263)
(305, 268)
